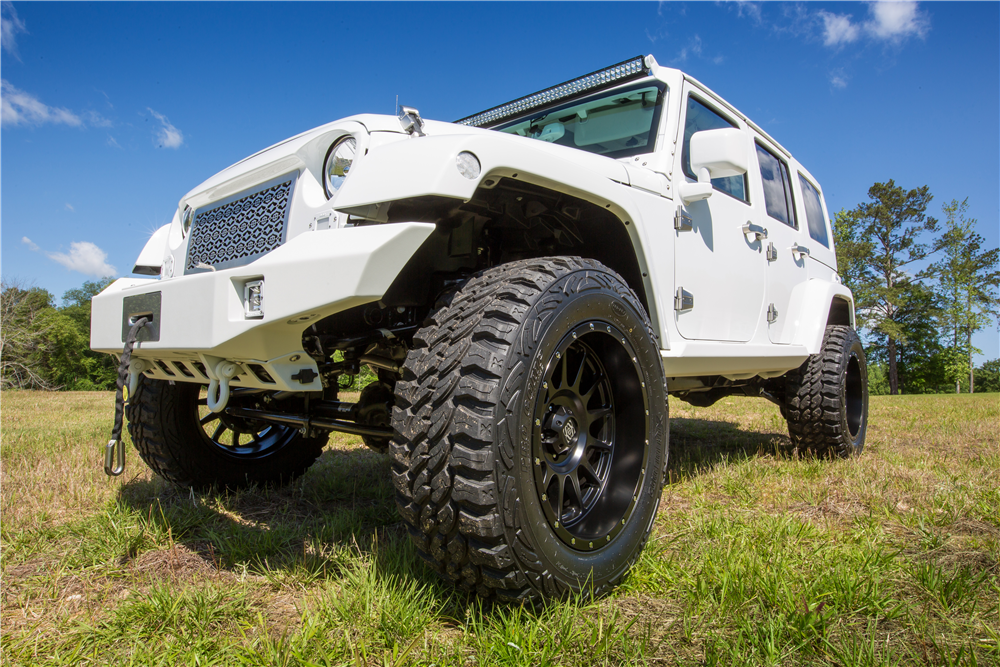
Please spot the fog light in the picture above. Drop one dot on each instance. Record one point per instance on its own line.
(468, 165)
(253, 298)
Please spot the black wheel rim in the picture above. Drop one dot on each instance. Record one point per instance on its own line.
(240, 438)
(590, 439)
(854, 396)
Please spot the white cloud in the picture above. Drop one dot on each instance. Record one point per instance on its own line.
(167, 136)
(838, 29)
(31, 244)
(95, 119)
(20, 108)
(895, 21)
(113, 142)
(10, 25)
(750, 9)
(838, 80)
(889, 21)
(69, 207)
(86, 258)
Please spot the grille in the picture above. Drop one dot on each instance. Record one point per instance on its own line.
(241, 228)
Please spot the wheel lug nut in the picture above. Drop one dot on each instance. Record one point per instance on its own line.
(538, 462)
(545, 385)
(608, 538)
(558, 355)
(591, 545)
(544, 497)
(591, 326)
(573, 541)
(538, 422)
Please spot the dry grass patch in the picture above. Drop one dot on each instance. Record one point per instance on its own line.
(758, 556)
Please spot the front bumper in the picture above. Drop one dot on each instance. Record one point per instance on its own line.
(202, 320)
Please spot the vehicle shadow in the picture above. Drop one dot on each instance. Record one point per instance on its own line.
(699, 445)
(338, 515)
(341, 515)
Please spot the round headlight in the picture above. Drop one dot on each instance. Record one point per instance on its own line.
(338, 163)
(187, 217)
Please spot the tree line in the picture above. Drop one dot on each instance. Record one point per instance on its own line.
(918, 325)
(44, 346)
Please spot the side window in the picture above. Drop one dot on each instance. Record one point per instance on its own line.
(814, 212)
(699, 117)
(777, 187)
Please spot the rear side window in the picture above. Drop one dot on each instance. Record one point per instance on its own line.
(814, 212)
(700, 117)
(777, 187)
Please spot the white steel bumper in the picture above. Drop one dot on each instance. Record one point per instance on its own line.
(202, 320)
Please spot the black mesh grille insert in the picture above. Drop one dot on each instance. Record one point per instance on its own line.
(241, 228)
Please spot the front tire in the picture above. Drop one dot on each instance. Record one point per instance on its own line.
(827, 397)
(190, 449)
(531, 425)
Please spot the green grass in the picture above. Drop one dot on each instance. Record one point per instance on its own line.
(756, 557)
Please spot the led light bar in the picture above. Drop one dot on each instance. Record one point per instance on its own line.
(632, 68)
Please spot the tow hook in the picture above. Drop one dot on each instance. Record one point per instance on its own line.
(114, 451)
(218, 390)
(114, 458)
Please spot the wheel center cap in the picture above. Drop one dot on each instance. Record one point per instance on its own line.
(569, 431)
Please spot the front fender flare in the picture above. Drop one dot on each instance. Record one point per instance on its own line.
(426, 166)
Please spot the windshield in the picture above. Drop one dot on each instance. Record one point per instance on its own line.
(618, 123)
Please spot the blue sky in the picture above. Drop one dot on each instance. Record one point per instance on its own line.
(112, 111)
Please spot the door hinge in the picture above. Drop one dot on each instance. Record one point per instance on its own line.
(683, 300)
(772, 252)
(772, 314)
(683, 221)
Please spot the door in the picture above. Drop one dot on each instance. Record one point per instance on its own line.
(719, 269)
(784, 253)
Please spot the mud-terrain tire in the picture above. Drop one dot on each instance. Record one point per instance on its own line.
(826, 399)
(184, 448)
(518, 377)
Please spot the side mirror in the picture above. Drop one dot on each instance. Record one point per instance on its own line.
(715, 154)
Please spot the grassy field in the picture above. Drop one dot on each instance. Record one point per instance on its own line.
(756, 557)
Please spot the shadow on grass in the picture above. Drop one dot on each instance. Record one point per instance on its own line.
(341, 515)
(344, 503)
(699, 445)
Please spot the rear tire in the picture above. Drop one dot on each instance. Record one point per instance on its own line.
(531, 431)
(827, 397)
(191, 450)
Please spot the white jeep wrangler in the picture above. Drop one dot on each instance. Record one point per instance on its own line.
(529, 284)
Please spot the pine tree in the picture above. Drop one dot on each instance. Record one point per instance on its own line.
(967, 282)
(875, 241)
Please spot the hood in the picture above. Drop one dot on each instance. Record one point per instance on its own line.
(308, 149)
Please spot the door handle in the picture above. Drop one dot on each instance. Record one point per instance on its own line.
(759, 232)
(799, 251)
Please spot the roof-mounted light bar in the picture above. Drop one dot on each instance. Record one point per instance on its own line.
(632, 68)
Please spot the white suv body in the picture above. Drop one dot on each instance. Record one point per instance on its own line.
(756, 308)
(528, 284)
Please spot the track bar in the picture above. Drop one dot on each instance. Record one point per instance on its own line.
(305, 422)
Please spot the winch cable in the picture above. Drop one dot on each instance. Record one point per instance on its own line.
(114, 453)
